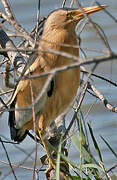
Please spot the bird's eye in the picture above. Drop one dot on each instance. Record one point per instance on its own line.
(68, 15)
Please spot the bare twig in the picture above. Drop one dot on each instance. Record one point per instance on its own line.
(8, 142)
(34, 124)
(75, 113)
(38, 16)
(12, 21)
(7, 46)
(63, 3)
(80, 101)
(74, 65)
(8, 159)
(101, 77)
(15, 57)
(58, 70)
(109, 51)
(102, 98)
(107, 12)
(18, 147)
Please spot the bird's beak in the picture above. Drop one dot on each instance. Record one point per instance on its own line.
(80, 13)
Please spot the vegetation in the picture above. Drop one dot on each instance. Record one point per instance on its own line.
(15, 55)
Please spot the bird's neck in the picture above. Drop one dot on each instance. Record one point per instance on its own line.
(57, 37)
(60, 41)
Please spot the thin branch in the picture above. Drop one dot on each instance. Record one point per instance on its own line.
(101, 77)
(58, 70)
(12, 21)
(107, 12)
(74, 65)
(18, 166)
(18, 147)
(80, 101)
(15, 57)
(113, 167)
(75, 113)
(30, 49)
(8, 142)
(102, 98)
(37, 25)
(95, 28)
(4, 104)
(33, 137)
(8, 159)
(63, 3)
(35, 129)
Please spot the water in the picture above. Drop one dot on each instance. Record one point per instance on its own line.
(103, 122)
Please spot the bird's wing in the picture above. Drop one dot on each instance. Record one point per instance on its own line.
(23, 83)
(22, 97)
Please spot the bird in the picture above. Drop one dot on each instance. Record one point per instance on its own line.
(58, 31)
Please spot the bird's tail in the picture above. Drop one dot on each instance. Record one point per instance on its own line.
(16, 134)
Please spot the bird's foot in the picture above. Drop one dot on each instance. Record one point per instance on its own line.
(64, 168)
(50, 168)
(51, 153)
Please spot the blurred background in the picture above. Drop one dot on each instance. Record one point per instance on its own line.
(102, 121)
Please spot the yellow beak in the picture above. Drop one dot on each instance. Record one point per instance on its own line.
(80, 13)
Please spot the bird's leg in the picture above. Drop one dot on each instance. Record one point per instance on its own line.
(50, 150)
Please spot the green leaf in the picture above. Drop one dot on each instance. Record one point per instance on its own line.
(95, 143)
(115, 154)
(98, 150)
(58, 162)
(91, 166)
(84, 166)
(78, 178)
(87, 157)
(82, 136)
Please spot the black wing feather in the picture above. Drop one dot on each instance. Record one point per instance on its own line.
(15, 133)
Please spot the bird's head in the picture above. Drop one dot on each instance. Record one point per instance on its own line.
(68, 18)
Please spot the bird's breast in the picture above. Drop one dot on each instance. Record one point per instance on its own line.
(65, 83)
(65, 89)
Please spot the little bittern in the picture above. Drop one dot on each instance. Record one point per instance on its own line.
(59, 30)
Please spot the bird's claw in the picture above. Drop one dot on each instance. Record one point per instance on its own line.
(50, 168)
(64, 167)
